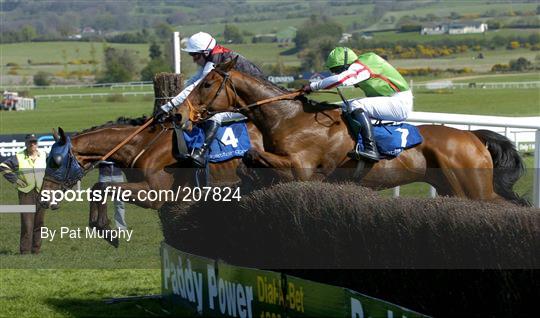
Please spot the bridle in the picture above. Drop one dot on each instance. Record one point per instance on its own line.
(226, 79)
(68, 180)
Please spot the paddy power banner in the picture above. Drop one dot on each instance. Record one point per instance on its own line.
(196, 285)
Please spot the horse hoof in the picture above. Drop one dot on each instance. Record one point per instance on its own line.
(114, 242)
(250, 157)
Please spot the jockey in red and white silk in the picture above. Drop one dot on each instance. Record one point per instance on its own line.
(207, 54)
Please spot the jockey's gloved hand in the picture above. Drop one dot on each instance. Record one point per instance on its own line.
(307, 89)
(164, 111)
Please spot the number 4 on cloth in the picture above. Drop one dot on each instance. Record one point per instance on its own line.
(228, 138)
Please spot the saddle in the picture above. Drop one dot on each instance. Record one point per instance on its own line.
(391, 137)
(231, 141)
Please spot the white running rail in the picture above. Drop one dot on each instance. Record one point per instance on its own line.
(503, 125)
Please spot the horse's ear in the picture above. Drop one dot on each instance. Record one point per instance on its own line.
(225, 67)
(62, 135)
(55, 135)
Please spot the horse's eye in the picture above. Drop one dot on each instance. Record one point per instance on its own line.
(207, 84)
(55, 161)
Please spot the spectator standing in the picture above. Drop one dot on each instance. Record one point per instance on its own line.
(25, 171)
(108, 172)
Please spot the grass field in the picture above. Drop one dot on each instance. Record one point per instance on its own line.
(417, 37)
(55, 56)
(46, 52)
(469, 60)
(275, 25)
(504, 102)
(444, 8)
(73, 114)
(77, 293)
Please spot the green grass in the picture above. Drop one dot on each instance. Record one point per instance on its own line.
(77, 293)
(392, 36)
(57, 90)
(58, 52)
(275, 25)
(72, 277)
(92, 253)
(495, 102)
(501, 78)
(73, 114)
(503, 102)
(444, 8)
(468, 60)
(42, 52)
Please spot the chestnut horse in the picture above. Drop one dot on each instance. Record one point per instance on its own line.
(147, 161)
(306, 141)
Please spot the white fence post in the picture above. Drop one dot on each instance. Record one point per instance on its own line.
(536, 178)
(176, 52)
(432, 192)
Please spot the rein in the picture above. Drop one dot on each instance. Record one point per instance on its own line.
(274, 99)
(226, 77)
(120, 145)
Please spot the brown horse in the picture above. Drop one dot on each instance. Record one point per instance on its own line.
(147, 161)
(306, 141)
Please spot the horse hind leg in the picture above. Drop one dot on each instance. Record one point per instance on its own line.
(473, 182)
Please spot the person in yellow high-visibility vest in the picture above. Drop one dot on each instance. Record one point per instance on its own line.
(25, 171)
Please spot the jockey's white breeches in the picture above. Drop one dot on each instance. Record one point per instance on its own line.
(395, 108)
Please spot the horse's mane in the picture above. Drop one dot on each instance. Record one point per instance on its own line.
(121, 121)
(312, 104)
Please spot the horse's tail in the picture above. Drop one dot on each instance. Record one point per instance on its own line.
(508, 166)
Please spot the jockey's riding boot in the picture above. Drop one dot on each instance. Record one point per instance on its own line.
(198, 156)
(370, 151)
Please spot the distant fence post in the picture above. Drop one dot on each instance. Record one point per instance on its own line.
(176, 52)
(166, 86)
(536, 167)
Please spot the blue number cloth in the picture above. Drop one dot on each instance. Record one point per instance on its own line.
(392, 139)
(232, 140)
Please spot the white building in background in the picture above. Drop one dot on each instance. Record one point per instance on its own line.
(434, 29)
(463, 28)
(454, 28)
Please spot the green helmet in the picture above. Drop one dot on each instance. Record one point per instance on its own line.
(340, 56)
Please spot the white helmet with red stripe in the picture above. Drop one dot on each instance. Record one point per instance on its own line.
(201, 42)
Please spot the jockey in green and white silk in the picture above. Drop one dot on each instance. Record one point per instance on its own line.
(388, 94)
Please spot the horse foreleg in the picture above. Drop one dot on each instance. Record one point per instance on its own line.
(139, 194)
(267, 166)
(98, 212)
(282, 168)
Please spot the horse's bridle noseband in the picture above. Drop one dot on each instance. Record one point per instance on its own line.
(67, 182)
(226, 78)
